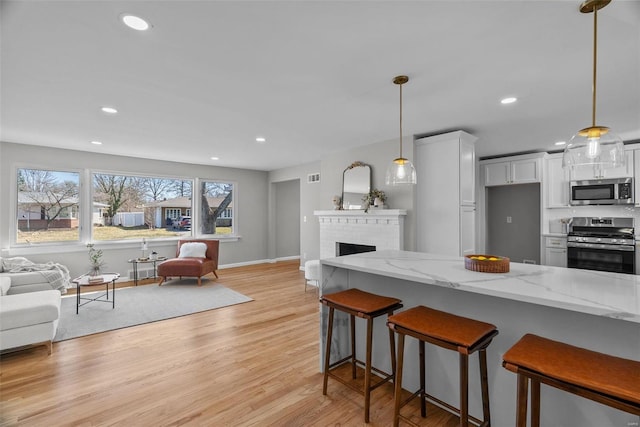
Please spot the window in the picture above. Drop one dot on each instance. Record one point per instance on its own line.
(136, 207)
(216, 208)
(48, 206)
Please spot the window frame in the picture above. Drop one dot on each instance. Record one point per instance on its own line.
(13, 197)
(85, 203)
(234, 227)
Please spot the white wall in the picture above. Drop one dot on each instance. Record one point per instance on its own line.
(250, 199)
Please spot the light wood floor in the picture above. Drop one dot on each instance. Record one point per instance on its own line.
(253, 364)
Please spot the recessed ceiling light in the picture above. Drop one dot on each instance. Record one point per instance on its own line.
(261, 139)
(560, 143)
(109, 110)
(135, 22)
(509, 100)
(96, 142)
(215, 158)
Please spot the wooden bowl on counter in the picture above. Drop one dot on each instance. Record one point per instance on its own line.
(486, 263)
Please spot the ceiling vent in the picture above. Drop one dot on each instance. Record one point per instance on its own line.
(313, 178)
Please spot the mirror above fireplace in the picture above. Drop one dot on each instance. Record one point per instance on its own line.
(356, 183)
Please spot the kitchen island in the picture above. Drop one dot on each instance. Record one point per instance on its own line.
(590, 309)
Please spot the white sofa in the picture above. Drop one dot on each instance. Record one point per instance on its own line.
(27, 276)
(27, 318)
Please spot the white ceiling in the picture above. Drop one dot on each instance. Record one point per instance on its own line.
(313, 77)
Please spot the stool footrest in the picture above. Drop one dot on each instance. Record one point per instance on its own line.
(386, 378)
(444, 405)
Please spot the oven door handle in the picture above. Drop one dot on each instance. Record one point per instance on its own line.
(622, 248)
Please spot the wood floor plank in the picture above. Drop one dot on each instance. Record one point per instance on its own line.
(253, 364)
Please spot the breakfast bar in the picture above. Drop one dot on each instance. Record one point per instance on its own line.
(591, 309)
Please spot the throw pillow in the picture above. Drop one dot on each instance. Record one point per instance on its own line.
(5, 284)
(195, 249)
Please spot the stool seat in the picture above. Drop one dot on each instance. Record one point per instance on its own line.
(457, 330)
(452, 332)
(360, 302)
(577, 370)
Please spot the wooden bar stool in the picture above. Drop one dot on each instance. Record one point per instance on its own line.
(367, 306)
(452, 332)
(606, 379)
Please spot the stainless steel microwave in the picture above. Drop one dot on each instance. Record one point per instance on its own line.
(617, 191)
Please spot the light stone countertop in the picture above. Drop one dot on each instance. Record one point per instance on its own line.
(605, 294)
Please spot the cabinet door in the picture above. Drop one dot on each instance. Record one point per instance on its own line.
(497, 173)
(556, 257)
(467, 230)
(523, 171)
(593, 172)
(467, 173)
(557, 184)
(580, 173)
(622, 171)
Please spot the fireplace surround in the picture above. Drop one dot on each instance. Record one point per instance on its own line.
(382, 228)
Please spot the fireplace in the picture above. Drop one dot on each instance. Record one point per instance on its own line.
(379, 228)
(343, 249)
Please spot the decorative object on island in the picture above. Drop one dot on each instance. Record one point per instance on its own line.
(401, 170)
(595, 145)
(487, 263)
(95, 256)
(374, 199)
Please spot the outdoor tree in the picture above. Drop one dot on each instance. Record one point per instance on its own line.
(209, 216)
(157, 188)
(111, 188)
(35, 180)
(53, 196)
(181, 188)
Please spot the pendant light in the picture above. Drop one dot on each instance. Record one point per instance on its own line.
(400, 171)
(596, 145)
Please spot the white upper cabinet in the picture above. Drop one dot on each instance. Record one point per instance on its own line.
(516, 171)
(445, 193)
(557, 182)
(583, 173)
(467, 172)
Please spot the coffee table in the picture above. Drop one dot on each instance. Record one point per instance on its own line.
(107, 278)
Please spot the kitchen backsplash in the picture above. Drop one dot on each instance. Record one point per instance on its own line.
(554, 216)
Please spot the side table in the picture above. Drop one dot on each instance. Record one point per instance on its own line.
(136, 261)
(107, 278)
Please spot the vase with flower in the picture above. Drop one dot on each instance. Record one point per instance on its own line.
(374, 199)
(96, 261)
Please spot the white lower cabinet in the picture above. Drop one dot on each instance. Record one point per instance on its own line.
(556, 251)
(467, 230)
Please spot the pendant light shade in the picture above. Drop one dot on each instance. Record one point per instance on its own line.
(401, 170)
(595, 146)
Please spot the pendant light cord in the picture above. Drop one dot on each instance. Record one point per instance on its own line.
(401, 121)
(595, 61)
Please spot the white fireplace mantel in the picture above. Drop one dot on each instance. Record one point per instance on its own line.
(382, 228)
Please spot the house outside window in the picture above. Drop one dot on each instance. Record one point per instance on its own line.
(136, 207)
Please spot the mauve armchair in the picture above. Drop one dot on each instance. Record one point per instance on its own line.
(191, 266)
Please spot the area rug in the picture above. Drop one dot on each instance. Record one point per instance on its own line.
(142, 304)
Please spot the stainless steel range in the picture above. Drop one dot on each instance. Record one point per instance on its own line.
(604, 244)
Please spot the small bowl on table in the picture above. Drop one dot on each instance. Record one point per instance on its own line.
(486, 263)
